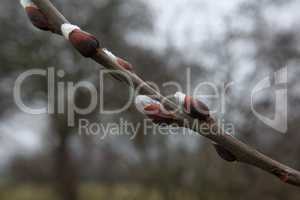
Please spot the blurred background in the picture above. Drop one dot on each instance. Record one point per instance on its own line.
(240, 41)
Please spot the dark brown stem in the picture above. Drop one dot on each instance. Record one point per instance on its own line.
(241, 151)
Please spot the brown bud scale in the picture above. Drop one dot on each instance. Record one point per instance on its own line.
(37, 18)
(85, 43)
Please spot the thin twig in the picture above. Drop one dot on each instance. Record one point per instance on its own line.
(241, 151)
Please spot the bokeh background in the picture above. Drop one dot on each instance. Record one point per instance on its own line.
(221, 41)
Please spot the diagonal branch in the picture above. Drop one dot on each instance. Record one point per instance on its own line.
(242, 152)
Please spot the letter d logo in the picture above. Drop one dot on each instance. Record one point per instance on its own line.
(279, 122)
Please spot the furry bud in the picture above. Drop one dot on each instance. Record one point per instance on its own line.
(84, 42)
(194, 107)
(197, 109)
(37, 18)
(154, 110)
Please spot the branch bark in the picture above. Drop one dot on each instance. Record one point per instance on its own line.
(240, 150)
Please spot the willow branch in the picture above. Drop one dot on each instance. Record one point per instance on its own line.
(242, 152)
